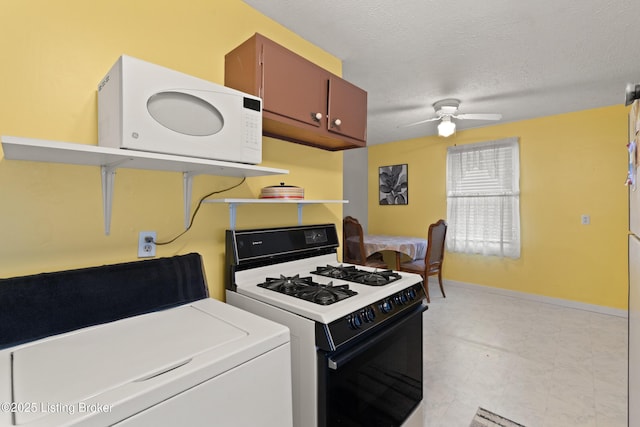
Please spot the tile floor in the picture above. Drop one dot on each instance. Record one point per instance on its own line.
(541, 365)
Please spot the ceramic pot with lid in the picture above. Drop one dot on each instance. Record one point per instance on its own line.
(282, 191)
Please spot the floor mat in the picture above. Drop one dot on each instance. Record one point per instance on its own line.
(484, 418)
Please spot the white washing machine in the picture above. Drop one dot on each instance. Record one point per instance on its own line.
(203, 363)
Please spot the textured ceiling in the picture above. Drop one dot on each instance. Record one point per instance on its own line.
(523, 59)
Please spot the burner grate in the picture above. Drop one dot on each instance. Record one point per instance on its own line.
(325, 294)
(336, 272)
(353, 274)
(305, 288)
(286, 285)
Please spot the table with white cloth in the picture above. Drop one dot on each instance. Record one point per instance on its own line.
(413, 247)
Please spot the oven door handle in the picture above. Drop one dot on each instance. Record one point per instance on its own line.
(337, 361)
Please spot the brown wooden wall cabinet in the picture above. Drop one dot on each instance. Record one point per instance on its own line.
(302, 102)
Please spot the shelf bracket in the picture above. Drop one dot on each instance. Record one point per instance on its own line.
(300, 205)
(232, 215)
(187, 185)
(108, 173)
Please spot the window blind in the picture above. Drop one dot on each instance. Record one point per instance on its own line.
(483, 198)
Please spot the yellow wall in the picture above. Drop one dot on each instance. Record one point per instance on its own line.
(54, 54)
(570, 164)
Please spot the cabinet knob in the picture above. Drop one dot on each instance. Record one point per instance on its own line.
(337, 122)
(316, 116)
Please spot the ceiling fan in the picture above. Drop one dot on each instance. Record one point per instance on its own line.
(446, 110)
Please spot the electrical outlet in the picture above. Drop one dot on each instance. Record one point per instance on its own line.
(586, 219)
(146, 244)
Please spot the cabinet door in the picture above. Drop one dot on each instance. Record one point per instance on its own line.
(347, 109)
(292, 86)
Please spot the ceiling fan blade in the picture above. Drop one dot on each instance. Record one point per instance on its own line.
(480, 116)
(432, 119)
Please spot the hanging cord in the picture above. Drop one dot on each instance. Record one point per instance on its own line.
(193, 217)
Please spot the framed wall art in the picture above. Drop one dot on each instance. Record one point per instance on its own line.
(394, 185)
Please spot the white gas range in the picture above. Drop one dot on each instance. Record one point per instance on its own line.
(356, 332)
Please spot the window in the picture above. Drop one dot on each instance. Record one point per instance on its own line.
(483, 198)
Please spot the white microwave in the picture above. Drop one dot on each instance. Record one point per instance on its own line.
(146, 107)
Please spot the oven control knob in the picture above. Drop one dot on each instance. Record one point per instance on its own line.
(355, 321)
(401, 298)
(386, 306)
(411, 293)
(368, 314)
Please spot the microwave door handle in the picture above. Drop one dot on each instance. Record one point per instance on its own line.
(340, 359)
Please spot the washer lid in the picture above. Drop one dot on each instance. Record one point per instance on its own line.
(86, 363)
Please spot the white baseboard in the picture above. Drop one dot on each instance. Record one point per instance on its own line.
(538, 298)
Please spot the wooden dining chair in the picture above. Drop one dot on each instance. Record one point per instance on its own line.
(353, 246)
(432, 262)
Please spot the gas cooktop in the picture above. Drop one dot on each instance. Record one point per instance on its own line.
(262, 260)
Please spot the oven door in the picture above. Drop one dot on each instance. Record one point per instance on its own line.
(376, 381)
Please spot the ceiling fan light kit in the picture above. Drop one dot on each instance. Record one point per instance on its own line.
(446, 127)
(446, 110)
